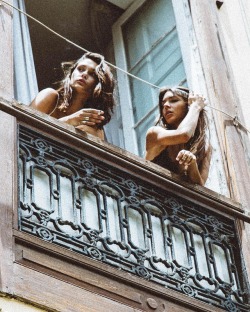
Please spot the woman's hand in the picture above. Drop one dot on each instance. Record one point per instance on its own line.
(85, 116)
(196, 99)
(186, 159)
(188, 163)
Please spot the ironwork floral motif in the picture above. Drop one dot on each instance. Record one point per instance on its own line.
(92, 208)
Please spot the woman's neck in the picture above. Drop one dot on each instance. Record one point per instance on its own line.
(77, 102)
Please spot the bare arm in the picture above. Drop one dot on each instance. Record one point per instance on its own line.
(46, 102)
(84, 119)
(158, 138)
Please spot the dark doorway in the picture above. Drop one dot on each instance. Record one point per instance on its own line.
(88, 23)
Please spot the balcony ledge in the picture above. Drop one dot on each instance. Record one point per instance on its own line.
(123, 223)
(42, 121)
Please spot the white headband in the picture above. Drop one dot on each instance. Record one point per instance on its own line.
(180, 92)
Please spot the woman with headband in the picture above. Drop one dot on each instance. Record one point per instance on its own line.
(84, 98)
(178, 141)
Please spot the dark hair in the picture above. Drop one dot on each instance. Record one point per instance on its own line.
(197, 144)
(102, 98)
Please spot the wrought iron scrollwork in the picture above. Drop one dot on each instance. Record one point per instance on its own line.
(90, 207)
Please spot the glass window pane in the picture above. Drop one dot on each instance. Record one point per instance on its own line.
(153, 54)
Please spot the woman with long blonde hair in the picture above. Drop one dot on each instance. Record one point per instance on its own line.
(84, 98)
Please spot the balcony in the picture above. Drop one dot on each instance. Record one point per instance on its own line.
(105, 220)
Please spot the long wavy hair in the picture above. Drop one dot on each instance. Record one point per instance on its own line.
(103, 94)
(197, 144)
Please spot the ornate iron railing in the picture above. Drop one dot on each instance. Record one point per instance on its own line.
(91, 207)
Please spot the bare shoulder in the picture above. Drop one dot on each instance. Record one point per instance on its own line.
(150, 136)
(150, 131)
(152, 147)
(48, 93)
(154, 131)
(154, 134)
(46, 100)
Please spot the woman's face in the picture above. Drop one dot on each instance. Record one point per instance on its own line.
(174, 109)
(83, 78)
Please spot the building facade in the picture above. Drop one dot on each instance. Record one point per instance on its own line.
(91, 226)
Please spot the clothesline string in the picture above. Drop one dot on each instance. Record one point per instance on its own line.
(235, 119)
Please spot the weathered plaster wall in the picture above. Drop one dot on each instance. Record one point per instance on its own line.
(6, 52)
(234, 19)
(14, 305)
